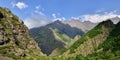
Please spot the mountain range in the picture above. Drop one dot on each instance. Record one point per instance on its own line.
(59, 40)
(60, 34)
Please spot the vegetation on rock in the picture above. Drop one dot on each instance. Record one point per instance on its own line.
(15, 41)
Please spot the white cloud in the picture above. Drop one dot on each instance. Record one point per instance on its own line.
(36, 21)
(99, 17)
(39, 12)
(13, 4)
(100, 10)
(76, 18)
(38, 7)
(20, 5)
(54, 15)
(57, 18)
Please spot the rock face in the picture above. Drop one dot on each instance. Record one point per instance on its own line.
(15, 41)
(55, 35)
(3, 58)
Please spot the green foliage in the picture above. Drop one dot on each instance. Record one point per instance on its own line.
(90, 34)
(113, 40)
(111, 47)
(102, 56)
(71, 58)
(80, 57)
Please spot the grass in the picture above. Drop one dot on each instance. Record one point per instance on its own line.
(90, 34)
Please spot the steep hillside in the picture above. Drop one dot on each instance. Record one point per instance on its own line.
(88, 43)
(100, 43)
(55, 35)
(15, 41)
(110, 48)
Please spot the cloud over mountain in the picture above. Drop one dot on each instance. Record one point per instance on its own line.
(99, 17)
(36, 21)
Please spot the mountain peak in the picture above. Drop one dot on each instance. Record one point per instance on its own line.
(57, 21)
(115, 20)
(87, 22)
(107, 23)
(74, 20)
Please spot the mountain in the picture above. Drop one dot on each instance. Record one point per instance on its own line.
(55, 35)
(100, 43)
(88, 43)
(110, 48)
(15, 41)
(84, 26)
(61, 40)
(115, 20)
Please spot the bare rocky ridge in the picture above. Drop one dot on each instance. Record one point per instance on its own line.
(84, 26)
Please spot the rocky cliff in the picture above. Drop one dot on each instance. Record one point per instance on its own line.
(15, 41)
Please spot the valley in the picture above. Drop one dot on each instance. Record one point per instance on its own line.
(59, 40)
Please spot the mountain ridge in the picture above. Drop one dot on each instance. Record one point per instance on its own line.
(58, 32)
(15, 41)
(91, 40)
(67, 42)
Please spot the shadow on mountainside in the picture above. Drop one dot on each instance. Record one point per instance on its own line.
(46, 39)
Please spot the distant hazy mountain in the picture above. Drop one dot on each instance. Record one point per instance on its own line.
(84, 26)
(60, 34)
(115, 20)
(55, 35)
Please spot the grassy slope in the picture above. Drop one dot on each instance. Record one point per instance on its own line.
(90, 34)
(110, 48)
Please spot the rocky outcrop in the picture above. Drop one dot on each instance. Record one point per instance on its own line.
(15, 41)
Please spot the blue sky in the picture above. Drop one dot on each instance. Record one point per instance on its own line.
(62, 9)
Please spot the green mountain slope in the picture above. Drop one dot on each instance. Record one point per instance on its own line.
(88, 43)
(102, 45)
(110, 48)
(15, 41)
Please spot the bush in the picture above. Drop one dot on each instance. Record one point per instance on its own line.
(80, 57)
